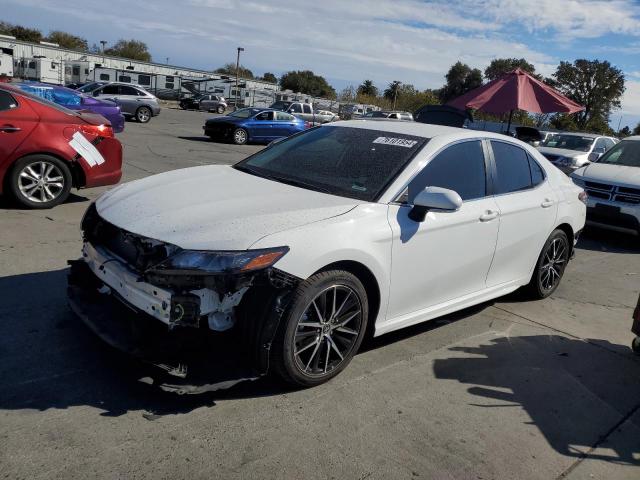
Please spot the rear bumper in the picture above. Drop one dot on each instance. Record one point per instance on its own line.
(182, 360)
(615, 216)
(110, 171)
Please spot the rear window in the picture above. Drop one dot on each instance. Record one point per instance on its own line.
(350, 162)
(55, 106)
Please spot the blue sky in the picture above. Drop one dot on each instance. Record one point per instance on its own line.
(348, 41)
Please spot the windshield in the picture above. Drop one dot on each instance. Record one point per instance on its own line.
(281, 105)
(245, 113)
(568, 142)
(625, 153)
(350, 162)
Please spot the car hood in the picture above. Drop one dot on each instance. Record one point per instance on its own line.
(214, 207)
(561, 152)
(612, 174)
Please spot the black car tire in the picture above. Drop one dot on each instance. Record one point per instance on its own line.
(240, 136)
(220, 109)
(183, 106)
(552, 262)
(143, 114)
(35, 163)
(289, 357)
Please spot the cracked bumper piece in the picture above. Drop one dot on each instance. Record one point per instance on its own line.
(180, 360)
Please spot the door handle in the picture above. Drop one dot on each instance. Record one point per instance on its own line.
(488, 215)
(547, 203)
(9, 129)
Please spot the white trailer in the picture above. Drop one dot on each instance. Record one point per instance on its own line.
(40, 69)
(6, 65)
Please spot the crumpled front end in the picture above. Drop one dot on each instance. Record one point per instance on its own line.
(203, 331)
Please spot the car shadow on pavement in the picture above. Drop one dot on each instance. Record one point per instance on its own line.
(52, 361)
(7, 204)
(577, 394)
(600, 240)
(197, 139)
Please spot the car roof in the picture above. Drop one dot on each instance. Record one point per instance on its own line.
(418, 129)
(579, 134)
(635, 138)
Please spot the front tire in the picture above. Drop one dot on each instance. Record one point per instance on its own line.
(322, 328)
(220, 109)
(240, 136)
(143, 114)
(39, 181)
(550, 266)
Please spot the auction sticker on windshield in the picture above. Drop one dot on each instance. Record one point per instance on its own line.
(398, 142)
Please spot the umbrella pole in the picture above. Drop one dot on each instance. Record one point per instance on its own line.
(509, 124)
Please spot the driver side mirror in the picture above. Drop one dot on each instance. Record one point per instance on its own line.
(434, 198)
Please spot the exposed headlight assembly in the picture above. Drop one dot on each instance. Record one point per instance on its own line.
(202, 262)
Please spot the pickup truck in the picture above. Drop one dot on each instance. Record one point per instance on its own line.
(305, 112)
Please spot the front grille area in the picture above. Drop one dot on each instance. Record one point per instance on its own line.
(137, 251)
(614, 193)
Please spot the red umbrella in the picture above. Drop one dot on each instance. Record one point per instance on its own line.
(516, 90)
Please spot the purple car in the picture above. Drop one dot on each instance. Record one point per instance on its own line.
(74, 100)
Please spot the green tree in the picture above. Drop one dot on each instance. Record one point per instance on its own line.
(270, 77)
(368, 88)
(460, 79)
(66, 40)
(347, 95)
(230, 69)
(500, 66)
(391, 92)
(133, 49)
(306, 81)
(594, 84)
(21, 33)
(624, 132)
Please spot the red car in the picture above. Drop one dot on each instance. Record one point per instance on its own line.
(45, 149)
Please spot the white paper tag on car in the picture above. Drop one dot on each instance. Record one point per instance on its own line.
(397, 142)
(86, 150)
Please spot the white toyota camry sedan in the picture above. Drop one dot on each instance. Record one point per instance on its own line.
(297, 252)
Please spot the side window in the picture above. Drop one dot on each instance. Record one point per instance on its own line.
(459, 167)
(307, 108)
(124, 79)
(7, 102)
(284, 117)
(608, 143)
(295, 108)
(265, 116)
(124, 90)
(144, 79)
(600, 143)
(537, 174)
(109, 90)
(512, 165)
(104, 76)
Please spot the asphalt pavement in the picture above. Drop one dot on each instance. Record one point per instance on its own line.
(509, 389)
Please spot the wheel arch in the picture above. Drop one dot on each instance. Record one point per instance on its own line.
(369, 281)
(78, 177)
(568, 230)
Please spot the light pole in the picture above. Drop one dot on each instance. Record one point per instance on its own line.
(103, 43)
(240, 49)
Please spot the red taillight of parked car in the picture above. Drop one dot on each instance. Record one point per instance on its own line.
(583, 197)
(91, 130)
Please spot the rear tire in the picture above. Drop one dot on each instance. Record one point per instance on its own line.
(322, 328)
(240, 136)
(550, 266)
(143, 114)
(39, 181)
(220, 109)
(635, 345)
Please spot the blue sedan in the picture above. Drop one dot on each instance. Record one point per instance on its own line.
(254, 125)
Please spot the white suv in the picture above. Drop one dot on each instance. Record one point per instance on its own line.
(570, 151)
(613, 185)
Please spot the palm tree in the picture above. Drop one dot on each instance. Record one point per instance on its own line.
(391, 92)
(368, 88)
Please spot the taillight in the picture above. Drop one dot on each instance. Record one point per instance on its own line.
(92, 130)
(583, 197)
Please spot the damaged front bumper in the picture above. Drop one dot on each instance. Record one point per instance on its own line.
(185, 335)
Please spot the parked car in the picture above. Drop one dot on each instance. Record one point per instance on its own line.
(134, 101)
(77, 85)
(253, 125)
(305, 111)
(570, 151)
(613, 185)
(391, 115)
(208, 102)
(77, 101)
(45, 149)
(290, 250)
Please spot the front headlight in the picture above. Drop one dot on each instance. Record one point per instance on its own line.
(199, 262)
